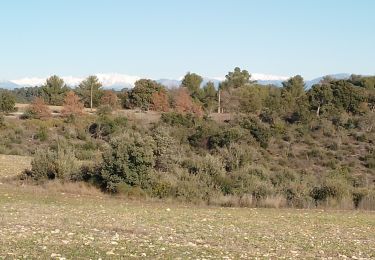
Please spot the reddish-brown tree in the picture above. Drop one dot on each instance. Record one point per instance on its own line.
(182, 101)
(72, 105)
(38, 109)
(110, 99)
(184, 104)
(159, 101)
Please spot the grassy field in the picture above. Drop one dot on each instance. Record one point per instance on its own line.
(73, 221)
(55, 222)
(11, 165)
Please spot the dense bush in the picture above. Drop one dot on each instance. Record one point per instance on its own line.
(106, 125)
(42, 134)
(296, 195)
(224, 138)
(50, 164)
(332, 188)
(7, 102)
(257, 129)
(104, 110)
(174, 119)
(166, 150)
(2, 121)
(235, 156)
(129, 159)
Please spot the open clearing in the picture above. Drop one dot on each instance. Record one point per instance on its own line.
(37, 222)
(75, 222)
(11, 165)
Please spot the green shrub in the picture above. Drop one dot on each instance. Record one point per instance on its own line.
(351, 124)
(279, 129)
(130, 191)
(7, 102)
(42, 134)
(261, 191)
(130, 160)
(296, 195)
(166, 149)
(2, 121)
(81, 134)
(258, 130)
(102, 128)
(368, 201)
(121, 121)
(200, 135)
(178, 119)
(84, 155)
(190, 188)
(332, 188)
(89, 145)
(315, 153)
(50, 164)
(163, 186)
(236, 156)
(283, 178)
(210, 172)
(224, 138)
(104, 110)
(207, 166)
(358, 194)
(370, 160)
(89, 173)
(251, 181)
(195, 188)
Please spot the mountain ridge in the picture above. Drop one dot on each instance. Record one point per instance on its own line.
(119, 81)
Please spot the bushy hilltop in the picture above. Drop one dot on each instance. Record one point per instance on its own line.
(244, 144)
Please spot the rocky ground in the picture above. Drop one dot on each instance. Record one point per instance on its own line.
(74, 221)
(45, 222)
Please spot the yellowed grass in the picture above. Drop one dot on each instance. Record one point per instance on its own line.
(22, 108)
(11, 165)
(142, 117)
(54, 222)
(221, 117)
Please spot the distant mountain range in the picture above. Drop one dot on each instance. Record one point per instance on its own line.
(310, 83)
(8, 85)
(120, 81)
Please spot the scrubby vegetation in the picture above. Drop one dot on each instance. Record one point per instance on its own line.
(276, 147)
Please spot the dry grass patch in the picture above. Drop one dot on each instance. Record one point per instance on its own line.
(12, 165)
(48, 223)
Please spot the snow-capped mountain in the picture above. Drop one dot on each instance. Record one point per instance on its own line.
(109, 80)
(119, 81)
(5, 84)
(309, 83)
(169, 83)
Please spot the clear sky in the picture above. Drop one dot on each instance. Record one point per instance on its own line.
(167, 38)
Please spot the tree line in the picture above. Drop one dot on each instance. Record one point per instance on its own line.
(238, 94)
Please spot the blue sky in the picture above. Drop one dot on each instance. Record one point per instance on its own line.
(167, 38)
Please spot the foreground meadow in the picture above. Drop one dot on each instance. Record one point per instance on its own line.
(76, 222)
